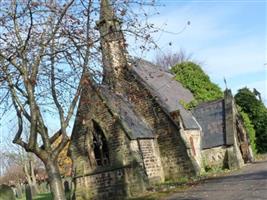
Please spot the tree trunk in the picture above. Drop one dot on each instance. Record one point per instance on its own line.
(55, 181)
(33, 183)
(30, 176)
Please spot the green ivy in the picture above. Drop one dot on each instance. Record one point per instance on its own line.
(257, 113)
(249, 128)
(188, 106)
(191, 76)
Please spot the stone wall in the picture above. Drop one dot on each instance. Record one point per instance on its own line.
(140, 161)
(114, 184)
(92, 108)
(215, 157)
(94, 181)
(151, 158)
(125, 82)
(193, 140)
(220, 140)
(234, 155)
(174, 156)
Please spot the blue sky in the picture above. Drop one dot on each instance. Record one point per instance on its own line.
(228, 37)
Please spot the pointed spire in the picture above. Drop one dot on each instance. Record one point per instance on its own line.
(112, 47)
(108, 18)
(106, 12)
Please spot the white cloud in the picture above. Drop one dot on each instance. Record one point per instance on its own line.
(240, 57)
(220, 38)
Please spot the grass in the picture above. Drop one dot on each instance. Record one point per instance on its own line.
(44, 196)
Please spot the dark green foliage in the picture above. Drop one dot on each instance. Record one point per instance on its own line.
(191, 76)
(189, 105)
(249, 128)
(257, 113)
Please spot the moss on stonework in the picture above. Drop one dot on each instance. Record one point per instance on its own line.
(6, 193)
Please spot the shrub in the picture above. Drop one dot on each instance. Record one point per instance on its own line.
(191, 76)
(250, 130)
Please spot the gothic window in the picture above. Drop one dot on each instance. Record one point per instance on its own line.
(100, 146)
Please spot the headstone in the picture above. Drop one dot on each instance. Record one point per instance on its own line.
(66, 186)
(67, 189)
(6, 193)
(43, 187)
(19, 191)
(28, 192)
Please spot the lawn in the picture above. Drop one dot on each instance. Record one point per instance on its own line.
(44, 196)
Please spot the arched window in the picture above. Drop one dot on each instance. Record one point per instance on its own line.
(100, 146)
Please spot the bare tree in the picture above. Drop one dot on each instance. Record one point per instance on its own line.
(46, 48)
(166, 60)
(29, 170)
(34, 76)
(12, 172)
(20, 167)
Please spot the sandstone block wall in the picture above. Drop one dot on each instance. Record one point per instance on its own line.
(193, 140)
(139, 161)
(124, 175)
(215, 157)
(111, 184)
(151, 158)
(173, 154)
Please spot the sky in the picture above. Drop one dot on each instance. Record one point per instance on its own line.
(228, 38)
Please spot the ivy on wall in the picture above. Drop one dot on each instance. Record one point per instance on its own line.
(249, 128)
(257, 113)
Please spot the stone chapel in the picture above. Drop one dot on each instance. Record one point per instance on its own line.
(131, 131)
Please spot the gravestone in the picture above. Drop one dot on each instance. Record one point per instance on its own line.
(28, 192)
(6, 193)
(19, 191)
(66, 186)
(67, 189)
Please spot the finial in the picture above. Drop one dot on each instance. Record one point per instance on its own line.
(225, 83)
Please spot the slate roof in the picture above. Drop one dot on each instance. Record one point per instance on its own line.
(134, 124)
(166, 89)
(211, 116)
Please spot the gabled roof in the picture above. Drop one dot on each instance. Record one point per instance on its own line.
(133, 124)
(211, 116)
(168, 92)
